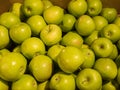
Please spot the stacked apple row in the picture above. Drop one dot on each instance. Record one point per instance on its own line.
(46, 47)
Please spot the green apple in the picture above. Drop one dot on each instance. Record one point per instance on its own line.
(77, 7)
(17, 49)
(102, 47)
(118, 44)
(115, 83)
(109, 13)
(16, 9)
(68, 22)
(4, 85)
(108, 86)
(26, 82)
(117, 60)
(84, 46)
(117, 21)
(72, 39)
(100, 22)
(89, 58)
(4, 52)
(32, 7)
(43, 85)
(106, 67)
(114, 53)
(20, 32)
(12, 66)
(70, 59)
(47, 4)
(32, 46)
(118, 76)
(89, 39)
(8, 19)
(85, 25)
(94, 7)
(41, 67)
(112, 32)
(62, 81)
(37, 23)
(54, 51)
(4, 37)
(53, 15)
(51, 34)
(89, 79)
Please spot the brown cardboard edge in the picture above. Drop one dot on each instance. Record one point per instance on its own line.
(5, 4)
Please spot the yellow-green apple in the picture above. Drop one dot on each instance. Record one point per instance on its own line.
(77, 7)
(20, 32)
(4, 37)
(89, 57)
(114, 53)
(54, 51)
(94, 7)
(102, 47)
(118, 76)
(106, 67)
(8, 19)
(72, 38)
(117, 21)
(62, 81)
(108, 86)
(85, 25)
(109, 13)
(32, 7)
(4, 85)
(118, 44)
(16, 9)
(12, 66)
(17, 49)
(51, 34)
(32, 47)
(41, 67)
(43, 85)
(4, 52)
(111, 31)
(47, 4)
(53, 15)
(100, 22)
(89, 39)
(70, 59)
(89, 79)
(37, 23)
(115, 83)
(85, 45)
(26, 82)
(68, 22)
(117, 60)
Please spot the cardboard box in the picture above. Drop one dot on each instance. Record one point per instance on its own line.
(5, 4)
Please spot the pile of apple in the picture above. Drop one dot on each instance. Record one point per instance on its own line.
(46, 47)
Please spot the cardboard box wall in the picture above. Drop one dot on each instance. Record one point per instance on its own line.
(5, 4)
